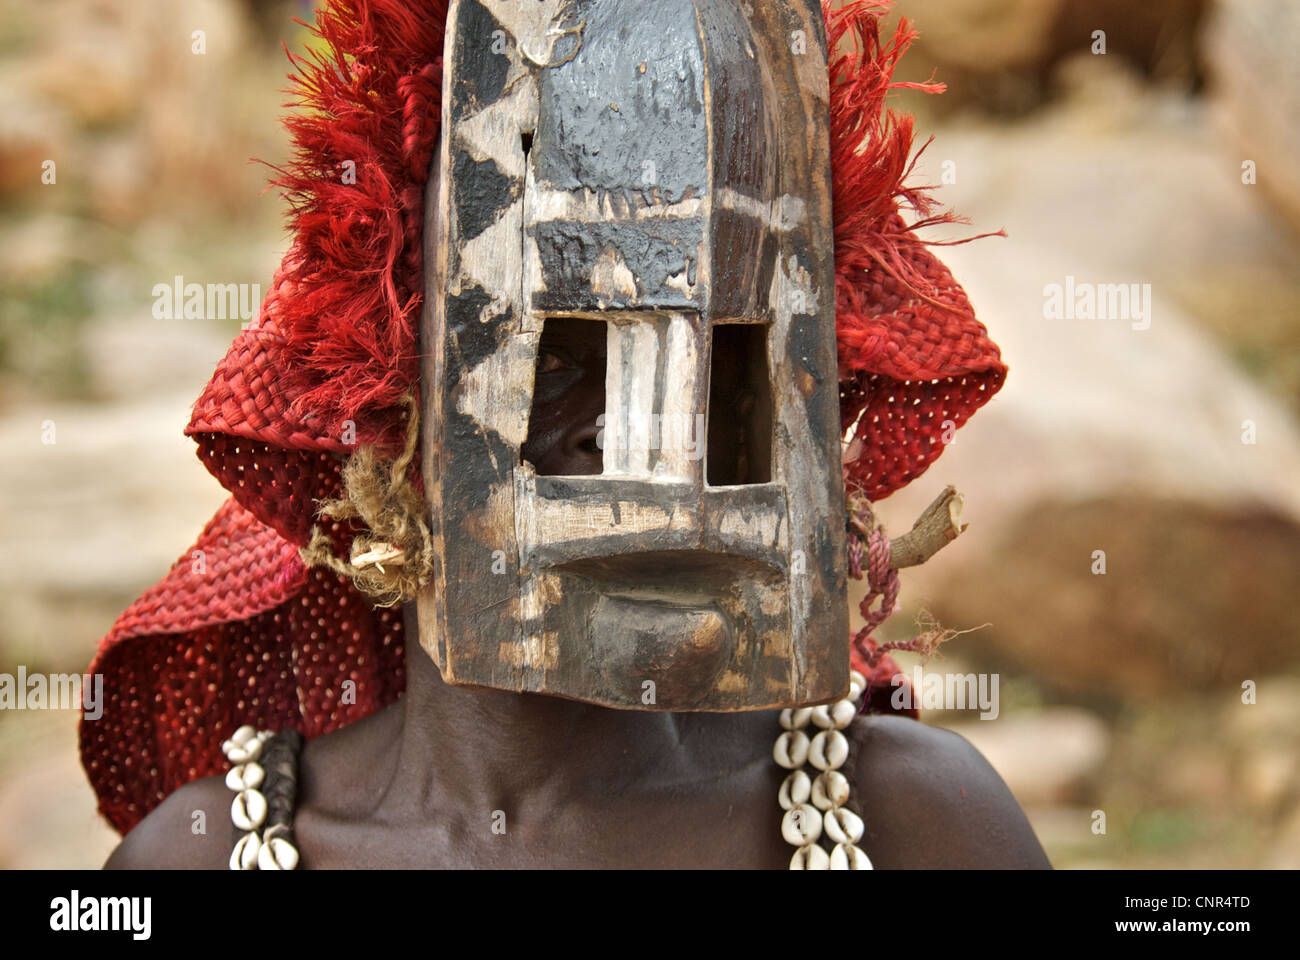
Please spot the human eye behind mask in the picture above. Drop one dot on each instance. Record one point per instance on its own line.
(568, 399)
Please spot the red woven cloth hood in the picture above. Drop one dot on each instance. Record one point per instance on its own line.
(239, 631)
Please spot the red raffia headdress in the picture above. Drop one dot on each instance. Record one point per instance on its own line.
(240, 631)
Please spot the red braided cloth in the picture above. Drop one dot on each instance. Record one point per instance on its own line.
(249, 636)
(912, 355)
(238, 632)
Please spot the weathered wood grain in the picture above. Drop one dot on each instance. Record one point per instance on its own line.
(664, 168)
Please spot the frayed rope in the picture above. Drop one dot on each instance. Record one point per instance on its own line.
(393, 559)
(930, 637)
(883, 585)
(882, 582)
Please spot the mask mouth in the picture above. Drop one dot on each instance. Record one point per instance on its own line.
(677, 652)
(680, 620)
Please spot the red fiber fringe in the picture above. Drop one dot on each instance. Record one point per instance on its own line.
(369, 99)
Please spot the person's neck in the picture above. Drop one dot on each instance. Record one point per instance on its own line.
(513, 750)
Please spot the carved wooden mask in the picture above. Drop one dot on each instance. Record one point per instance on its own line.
(662, 168)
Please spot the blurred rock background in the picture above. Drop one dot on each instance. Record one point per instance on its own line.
(151, 144)
(1123, 692)
(1120, 693)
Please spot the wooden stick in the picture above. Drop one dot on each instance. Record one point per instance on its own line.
(938, 526)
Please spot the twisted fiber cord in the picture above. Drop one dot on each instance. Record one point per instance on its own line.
(421, 95)
(280, 761)
(382, 496)
(882, 582)
(871, 560)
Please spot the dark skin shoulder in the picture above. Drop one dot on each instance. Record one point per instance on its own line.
(931, 801)
(169, 838)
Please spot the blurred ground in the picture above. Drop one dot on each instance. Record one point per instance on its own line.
(1120, 693)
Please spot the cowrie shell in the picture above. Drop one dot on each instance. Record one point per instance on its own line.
(244, 856)
(795, 789)
(277, 854)
(791, 749)
(795, 719)
(248, 810)
(243, 735)
(843, 825)
(830, 789)
(835, 716)
(829, 750)
(842, 713)
(845, 856)
(245, 776)
(810, 857)
(250, 751)
(801, 825)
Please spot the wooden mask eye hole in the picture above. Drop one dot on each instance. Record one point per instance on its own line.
(740, 407)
